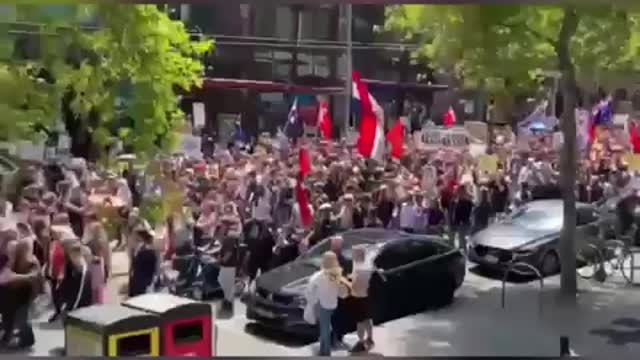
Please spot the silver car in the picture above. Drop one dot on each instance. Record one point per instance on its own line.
(531, 235)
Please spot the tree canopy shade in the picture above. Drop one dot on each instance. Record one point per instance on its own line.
(505, 48)
(118, 81)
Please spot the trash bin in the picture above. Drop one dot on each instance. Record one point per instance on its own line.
(185, 324)
(111, 330)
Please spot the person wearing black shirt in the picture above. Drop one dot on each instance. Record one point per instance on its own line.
(228, 263)
(482, 212)
(461, 208)
(384, 206)
(260, 242)
(144, 262)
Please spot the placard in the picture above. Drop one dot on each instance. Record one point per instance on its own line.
(199, 115)
(28, 150)
(488, 163)
(191, 146)
(633, 161)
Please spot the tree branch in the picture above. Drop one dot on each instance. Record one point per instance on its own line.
(529, 30)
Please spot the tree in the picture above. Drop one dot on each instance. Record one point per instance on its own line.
(506, 48)
(121, 80)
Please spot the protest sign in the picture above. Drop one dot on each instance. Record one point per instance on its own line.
(199, 115)
(191, 146)
(438, 138)
(488, 163)
(633, 161)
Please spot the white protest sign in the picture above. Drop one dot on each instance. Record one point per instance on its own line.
(191, 146)
(28, 150)
(438, 138)
(199, 115)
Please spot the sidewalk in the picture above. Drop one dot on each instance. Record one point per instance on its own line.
(604, 323)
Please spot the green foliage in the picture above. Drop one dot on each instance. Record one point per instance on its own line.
(509, 46)
(131, 67)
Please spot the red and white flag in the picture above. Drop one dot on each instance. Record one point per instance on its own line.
(304, 162)
(395, 137)
(449, 118)
(324, 121)
(371, 140)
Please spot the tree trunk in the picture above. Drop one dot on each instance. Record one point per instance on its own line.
(568, 281)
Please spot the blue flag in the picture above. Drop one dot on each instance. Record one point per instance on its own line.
(294, 127)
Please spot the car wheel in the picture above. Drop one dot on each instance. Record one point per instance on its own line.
(446, 294)
(550, 264)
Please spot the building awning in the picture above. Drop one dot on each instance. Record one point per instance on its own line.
(273, 86)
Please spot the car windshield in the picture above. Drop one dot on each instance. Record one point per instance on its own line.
(538, 219)
(314, 256)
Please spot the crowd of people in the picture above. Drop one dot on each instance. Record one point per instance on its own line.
(275, 199)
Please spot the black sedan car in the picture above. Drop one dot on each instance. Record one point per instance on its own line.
(415, 272)
(531, 235)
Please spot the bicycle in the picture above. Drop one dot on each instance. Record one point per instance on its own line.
(606, 260)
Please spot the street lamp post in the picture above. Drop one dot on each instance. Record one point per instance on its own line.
(349, 65)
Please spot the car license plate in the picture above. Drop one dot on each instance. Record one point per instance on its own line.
(491, 259)
(265, 313)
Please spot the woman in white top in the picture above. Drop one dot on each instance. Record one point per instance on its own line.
(323, 290)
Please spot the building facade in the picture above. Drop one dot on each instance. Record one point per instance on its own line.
(268, 54)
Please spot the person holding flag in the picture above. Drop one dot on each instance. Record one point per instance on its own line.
(294, 129)
(324, 120)
(371, 141)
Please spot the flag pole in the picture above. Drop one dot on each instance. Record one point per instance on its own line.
(349, 66)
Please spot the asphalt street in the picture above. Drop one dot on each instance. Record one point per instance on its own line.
(603, 322)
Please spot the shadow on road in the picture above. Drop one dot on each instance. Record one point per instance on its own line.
(274, 335)
(621, 332)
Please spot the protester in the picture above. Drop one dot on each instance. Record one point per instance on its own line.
(228, 260)
(360, 303)
(144, 262)
(323, 290)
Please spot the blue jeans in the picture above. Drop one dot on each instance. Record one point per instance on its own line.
(324, 323)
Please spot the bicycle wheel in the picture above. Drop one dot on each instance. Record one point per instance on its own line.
(589, 260)
(613, 254)
(630, 267)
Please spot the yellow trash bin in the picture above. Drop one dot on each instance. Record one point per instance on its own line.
(111, 330)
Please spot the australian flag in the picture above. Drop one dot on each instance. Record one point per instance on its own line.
(294, 128)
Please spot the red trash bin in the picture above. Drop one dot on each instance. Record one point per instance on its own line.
(185, 324)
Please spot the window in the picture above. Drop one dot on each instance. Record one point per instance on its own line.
(285, 22)
(316, 24)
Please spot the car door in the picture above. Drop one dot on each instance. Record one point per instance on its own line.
(405, 280)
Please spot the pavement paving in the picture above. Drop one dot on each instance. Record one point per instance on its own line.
(603, 322)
